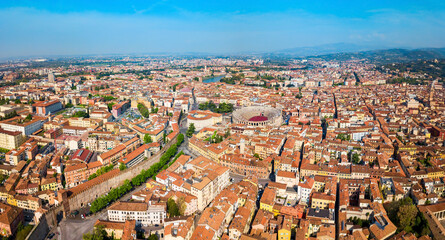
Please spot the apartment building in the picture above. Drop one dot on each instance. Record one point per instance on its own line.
(120, 108)
(116, 153)
(135, 157)
(79, 173)
(206, 182)
(26, 127)
(143, 213)
(48, 107)
(10, 140)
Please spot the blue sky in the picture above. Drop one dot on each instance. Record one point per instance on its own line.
(63, 27)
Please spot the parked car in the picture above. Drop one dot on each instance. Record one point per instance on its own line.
(74, 213)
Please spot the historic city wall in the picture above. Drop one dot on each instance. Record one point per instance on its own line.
(88, 196)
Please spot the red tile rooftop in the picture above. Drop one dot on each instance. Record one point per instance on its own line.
(258, 119)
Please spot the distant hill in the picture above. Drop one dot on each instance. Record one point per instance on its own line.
(388, 55)
(345, 51)
(325, 49)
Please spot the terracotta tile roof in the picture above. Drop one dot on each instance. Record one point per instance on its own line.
(129, 206)
(9, 213)
(203, 233)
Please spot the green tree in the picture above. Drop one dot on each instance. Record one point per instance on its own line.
(227, 134)
(181, 205)
(92, 176)
(98, 233)
(407, 215)
(108, 98)
(153, 237)
(190, 130)
(110, 106)
(22, 231)
(174, 87)
(172, 208)
(118, 192)
(356, 158)
(143, 110)
(147, 138)
(222, 108)
(3, 178)
(122, 167)
(344, 137)
(29, 117)
(81, 114)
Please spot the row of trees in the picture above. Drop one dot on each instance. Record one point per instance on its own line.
(99, 233)
(143, 110)
(81, 114)
(9, 115)
(17, 101)
(408, 80)
(232, 80)
(101, 171)
(97, 88)
(4, 101)
(128, 185)
(108, 98)
(222, 108)
(22, 231)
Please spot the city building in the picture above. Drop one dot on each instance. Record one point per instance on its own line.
(48, 107)
(143, 213)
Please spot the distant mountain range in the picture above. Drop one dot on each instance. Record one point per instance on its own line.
(345, 51)
(326, 49)
(389, 55)
(336, 51)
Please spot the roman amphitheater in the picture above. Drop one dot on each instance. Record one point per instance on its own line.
(258, 116)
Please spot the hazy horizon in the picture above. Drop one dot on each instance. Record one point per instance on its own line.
(62, 28)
